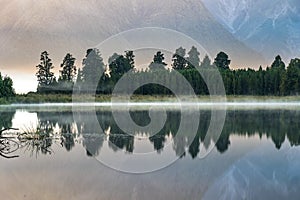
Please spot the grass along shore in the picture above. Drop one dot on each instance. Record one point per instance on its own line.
(64, 98)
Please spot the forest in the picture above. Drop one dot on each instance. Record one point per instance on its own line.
(276, 79)
(100, 78)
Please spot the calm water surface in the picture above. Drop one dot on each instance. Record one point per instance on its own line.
(256, 157)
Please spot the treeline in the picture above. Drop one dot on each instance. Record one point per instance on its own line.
(96, 76)
(6, 87)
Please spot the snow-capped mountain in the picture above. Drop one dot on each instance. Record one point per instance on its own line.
(270, 27)
(60, 26)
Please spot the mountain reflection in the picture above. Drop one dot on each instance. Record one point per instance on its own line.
(277, 125)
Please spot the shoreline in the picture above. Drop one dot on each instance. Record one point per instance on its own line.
(59, 98)
(161, 102)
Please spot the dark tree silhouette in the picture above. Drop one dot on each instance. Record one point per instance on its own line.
(68, 71)
(291, 80)
(222, 60)
(206, 62)
(119, 64)
(45, 76)
(179, 61)
(93, 69)
(278, 63)
(193, 58)
(93, 66)
(129, 55)
(158, 62)
(67, 74)
(6, 87)
(274, 80)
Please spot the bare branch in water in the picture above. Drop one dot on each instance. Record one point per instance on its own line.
(7, 145)
(8, 157)
(7, 129)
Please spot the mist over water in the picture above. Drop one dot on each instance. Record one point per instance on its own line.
(173, 104)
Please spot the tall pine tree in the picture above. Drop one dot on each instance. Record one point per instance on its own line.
(68, 71)
(93, 68)
(193, 60)
(158, 62)
(44, 74)
(206, 62)
(222, 60)
(179, 61)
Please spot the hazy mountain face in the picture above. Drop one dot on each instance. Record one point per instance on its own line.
(28, 27)
(270, 27)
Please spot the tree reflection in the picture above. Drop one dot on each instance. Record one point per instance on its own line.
(6, 119)
(61, 127)
(91, 132)
(67, 140)
(117, 138)
(194, 148)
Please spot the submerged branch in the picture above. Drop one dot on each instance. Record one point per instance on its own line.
(7, 145)
(7, 129)
(8, 157)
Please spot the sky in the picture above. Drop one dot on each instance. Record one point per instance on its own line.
(29, 27)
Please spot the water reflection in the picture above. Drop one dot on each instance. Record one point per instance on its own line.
(60, 127)
(6, 119)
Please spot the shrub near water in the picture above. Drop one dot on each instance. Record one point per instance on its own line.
(6, 88)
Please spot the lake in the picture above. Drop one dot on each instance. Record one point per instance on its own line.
(86, 155)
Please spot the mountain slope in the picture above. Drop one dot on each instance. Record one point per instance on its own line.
(270, 27)
(29, 27)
